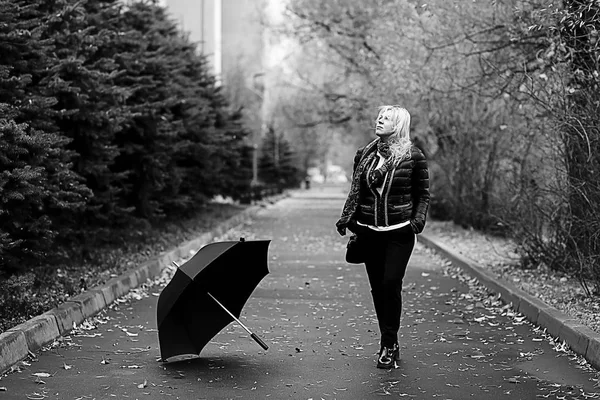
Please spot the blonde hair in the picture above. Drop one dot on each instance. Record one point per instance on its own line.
(400, 143)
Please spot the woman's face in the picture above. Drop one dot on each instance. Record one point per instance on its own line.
(385, 125)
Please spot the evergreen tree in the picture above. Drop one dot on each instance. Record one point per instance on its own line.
(196, 165)
(148, 139)
(211, 155)
(106, 109)
(36, 183)
(184, 143)
(277, 166)
(89, 105)
(235, 155)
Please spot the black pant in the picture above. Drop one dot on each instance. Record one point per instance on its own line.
(389, 253)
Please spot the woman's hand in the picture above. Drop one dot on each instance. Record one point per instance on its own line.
(341, 227)
(417, 225)
(352, 226)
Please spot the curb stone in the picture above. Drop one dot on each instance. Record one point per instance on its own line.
(67, 315)
(39, 330)
(581, 339)
(13, 348)
(24, 339)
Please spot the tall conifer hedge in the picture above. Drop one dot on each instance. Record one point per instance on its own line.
(108, 117)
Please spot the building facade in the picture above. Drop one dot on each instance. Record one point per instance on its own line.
(227, 32)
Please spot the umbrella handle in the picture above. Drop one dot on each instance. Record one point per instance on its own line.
(259, 341)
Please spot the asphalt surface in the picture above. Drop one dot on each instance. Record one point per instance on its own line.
(315, 313)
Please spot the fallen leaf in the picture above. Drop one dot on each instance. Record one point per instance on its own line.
(36, 396)
(90, 335)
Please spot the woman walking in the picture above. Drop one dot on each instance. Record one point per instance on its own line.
(386, 207)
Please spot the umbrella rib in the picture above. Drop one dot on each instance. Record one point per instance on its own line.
(252, 335)
(229, 312)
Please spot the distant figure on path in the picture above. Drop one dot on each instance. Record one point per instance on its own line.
(386, 207)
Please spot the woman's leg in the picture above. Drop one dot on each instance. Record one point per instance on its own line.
(375, 271)
(386, 267)
(397, 254)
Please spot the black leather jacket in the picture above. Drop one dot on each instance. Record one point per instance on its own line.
(405, 195)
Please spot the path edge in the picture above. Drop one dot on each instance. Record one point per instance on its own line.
(581, 339)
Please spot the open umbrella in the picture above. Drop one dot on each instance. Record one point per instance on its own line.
(207, 293)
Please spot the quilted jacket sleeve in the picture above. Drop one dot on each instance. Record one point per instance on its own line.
(420, 191)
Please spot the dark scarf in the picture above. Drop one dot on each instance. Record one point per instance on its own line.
(375, 178)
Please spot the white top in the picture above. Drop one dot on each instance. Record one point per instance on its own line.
(385, 228)
(380, 162)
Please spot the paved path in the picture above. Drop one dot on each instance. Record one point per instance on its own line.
(315, 312)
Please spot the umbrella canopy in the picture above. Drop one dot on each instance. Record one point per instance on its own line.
(207, 293)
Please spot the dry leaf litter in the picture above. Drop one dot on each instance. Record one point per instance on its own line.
(499, 256)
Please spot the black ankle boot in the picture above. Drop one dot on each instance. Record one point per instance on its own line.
(388, 356)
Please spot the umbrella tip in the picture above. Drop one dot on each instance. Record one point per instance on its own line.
(242, 239)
